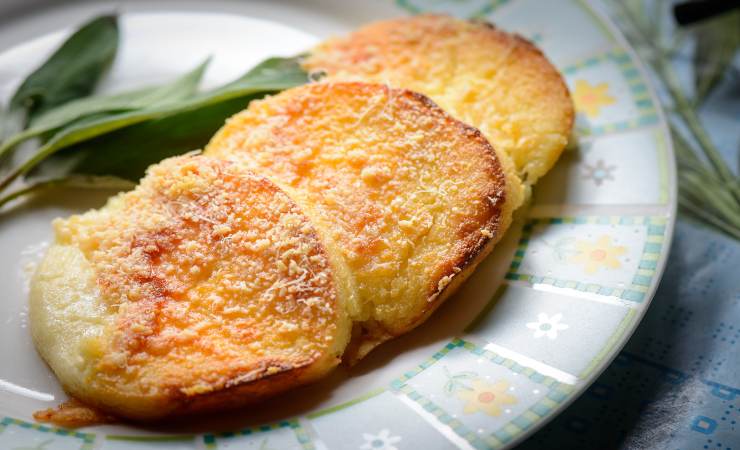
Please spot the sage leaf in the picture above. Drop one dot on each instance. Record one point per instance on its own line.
(80, 182)
(97, 107)
(72, 71)
(148, 135)
(126, 153)
(182, 88)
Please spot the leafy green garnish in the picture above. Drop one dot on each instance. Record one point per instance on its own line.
(115, 136)
(79, 182)
(125, 144)
(126, 153)
(72, 72)
(89, 108)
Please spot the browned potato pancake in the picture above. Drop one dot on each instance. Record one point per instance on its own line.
(495, 81)
(206, 287)
(412, 198)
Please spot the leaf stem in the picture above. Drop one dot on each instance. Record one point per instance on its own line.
(682, 104)
(16, 139)
(711, 219)
(27, 190)
(685, 110)
(83, 182)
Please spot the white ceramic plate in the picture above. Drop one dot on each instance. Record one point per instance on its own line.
(534, 326)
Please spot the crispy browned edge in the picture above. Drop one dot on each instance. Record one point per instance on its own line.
(549, 69)
(471, 250)
(268, 378)
(370, 335)
(239, 392)
(548, 66)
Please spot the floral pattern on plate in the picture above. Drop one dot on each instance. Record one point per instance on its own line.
(484, 398)
(616, 169)
(609, 94)
(549, 326)
(569, 334)
(381, 441)
(378, 420)
(589, 99)
(609, 256)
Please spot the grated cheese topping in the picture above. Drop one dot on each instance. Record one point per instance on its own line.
(211, 273)
(400, 187)
(492, 80)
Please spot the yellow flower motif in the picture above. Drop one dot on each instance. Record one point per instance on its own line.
(589, 99)
(598, 254)
(486, 397)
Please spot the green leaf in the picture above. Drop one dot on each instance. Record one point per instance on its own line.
(717, 41)
(127, 152)
(72, 71)
(279, 72)
(97, 107)
(74, 181)
(125, 145)
(182, 88)
(11, 122)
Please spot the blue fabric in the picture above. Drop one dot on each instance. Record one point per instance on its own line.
(676, 384)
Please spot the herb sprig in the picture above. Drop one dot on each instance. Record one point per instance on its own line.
(72, 71)
(708, 189)
(100, 141)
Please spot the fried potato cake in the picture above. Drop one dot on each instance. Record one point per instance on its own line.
(497, 82)
(412, 198)
(204, 288)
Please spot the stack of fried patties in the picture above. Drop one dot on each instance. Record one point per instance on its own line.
(317, 224)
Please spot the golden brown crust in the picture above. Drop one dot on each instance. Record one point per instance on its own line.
(217, 291)
(195, 311)
(498, 82)
(73, 414)
(409, 195)
(371, 335)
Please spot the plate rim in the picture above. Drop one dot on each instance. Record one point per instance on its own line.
(599, 11)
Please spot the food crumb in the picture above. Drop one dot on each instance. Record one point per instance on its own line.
(73, 414)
